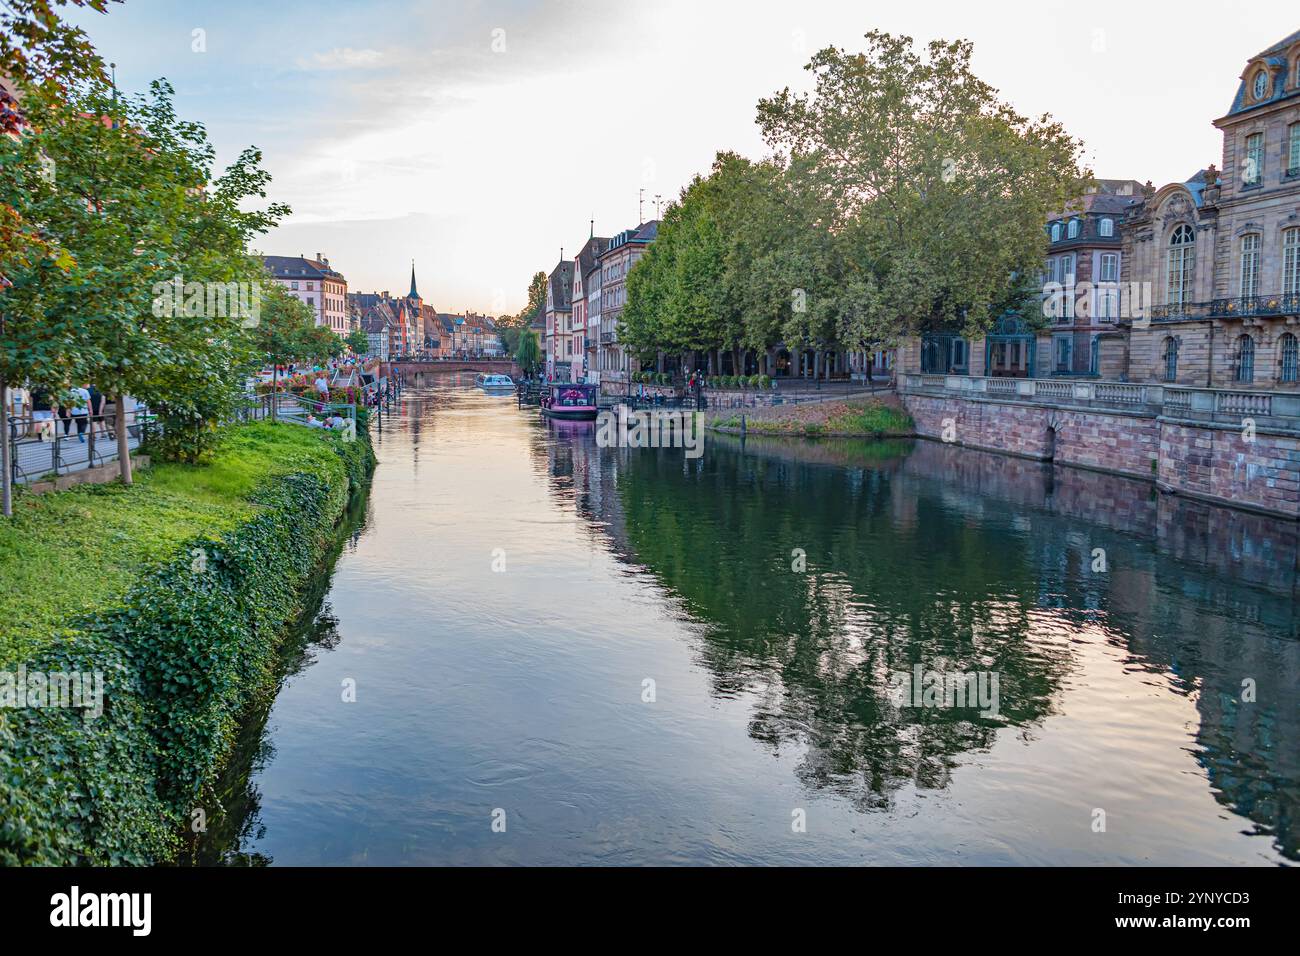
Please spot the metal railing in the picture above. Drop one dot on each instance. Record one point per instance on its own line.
(1282, 303)
(41, 448)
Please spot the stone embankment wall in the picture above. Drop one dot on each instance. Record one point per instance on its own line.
(1227, 464)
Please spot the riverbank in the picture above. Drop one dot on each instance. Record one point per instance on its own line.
(167, 599)
(864, 417)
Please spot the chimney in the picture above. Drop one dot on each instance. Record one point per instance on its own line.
(318, 258)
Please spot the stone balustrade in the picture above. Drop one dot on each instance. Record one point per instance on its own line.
(1277, 410)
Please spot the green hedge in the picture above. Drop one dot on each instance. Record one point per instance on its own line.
(183, 653)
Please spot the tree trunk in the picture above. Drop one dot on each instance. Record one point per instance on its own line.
(123, 445)
(6, 478)
(275, 391)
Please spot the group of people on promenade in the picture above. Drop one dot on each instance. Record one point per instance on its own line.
(38, 412)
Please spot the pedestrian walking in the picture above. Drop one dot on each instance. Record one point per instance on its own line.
(80, 411)
(98, 401)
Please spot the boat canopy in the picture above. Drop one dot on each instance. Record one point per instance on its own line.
(565, 395)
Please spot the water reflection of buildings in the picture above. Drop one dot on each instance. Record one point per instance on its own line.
(931, 553)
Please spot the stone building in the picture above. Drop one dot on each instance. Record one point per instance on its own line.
(559, 315)
(584, 298)
(314, 283)
(615, 262)
(1082, 288)
(1214, 263)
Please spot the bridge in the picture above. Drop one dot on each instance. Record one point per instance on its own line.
(412, 367)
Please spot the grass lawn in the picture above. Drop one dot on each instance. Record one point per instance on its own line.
(855, 417)
(72, 551)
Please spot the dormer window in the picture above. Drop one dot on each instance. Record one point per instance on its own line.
(1056, 232)
(1261, 84)
(1073, 230)
(1106, 227)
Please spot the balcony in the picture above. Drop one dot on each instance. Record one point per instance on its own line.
(1277, 304)
(608, 338)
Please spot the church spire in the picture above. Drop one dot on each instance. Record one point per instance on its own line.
(414, 293)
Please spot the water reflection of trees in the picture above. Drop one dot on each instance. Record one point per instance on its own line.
(881, 593)
(958, 560)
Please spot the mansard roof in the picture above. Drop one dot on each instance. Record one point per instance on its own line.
(1279, 59)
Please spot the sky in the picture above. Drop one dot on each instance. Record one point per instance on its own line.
(479, 139)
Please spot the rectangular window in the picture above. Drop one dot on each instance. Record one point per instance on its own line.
(1291, 262)
(1109, 268)
(1249, 266)
(1253, 170)
(1067, 280)
(1293, 150)
(1064, 352)
(1108, 227)
(1106, 304)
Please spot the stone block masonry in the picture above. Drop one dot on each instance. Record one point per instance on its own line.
(1211, 461)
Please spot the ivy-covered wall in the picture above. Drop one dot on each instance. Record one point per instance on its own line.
(183, 655)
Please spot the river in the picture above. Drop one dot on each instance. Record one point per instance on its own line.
(532, 650)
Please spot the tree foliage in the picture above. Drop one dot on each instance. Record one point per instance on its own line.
(528, 356)
(902, 195)
(128, 193)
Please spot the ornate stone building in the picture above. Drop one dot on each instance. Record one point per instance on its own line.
(1211, 267)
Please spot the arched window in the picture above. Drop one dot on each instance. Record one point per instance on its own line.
(1245, 359)
(1107, 227)
(1073, 230)
(1056, 232)
(1289, 351)
(1171, 359)
(1181, 265)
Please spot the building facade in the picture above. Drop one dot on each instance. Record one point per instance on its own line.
(582, 337)
(1220, 253)
(315, 284)
(623, 252)
(1081, 285)
(559, 313)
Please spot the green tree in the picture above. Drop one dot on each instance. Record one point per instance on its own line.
(935, 191)
(286, 332)
(357, 341)
(721, 271)
(134, 203)
(528, 356)
(39, 51)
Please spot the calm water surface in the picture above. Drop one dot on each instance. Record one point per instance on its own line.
(521, 690)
